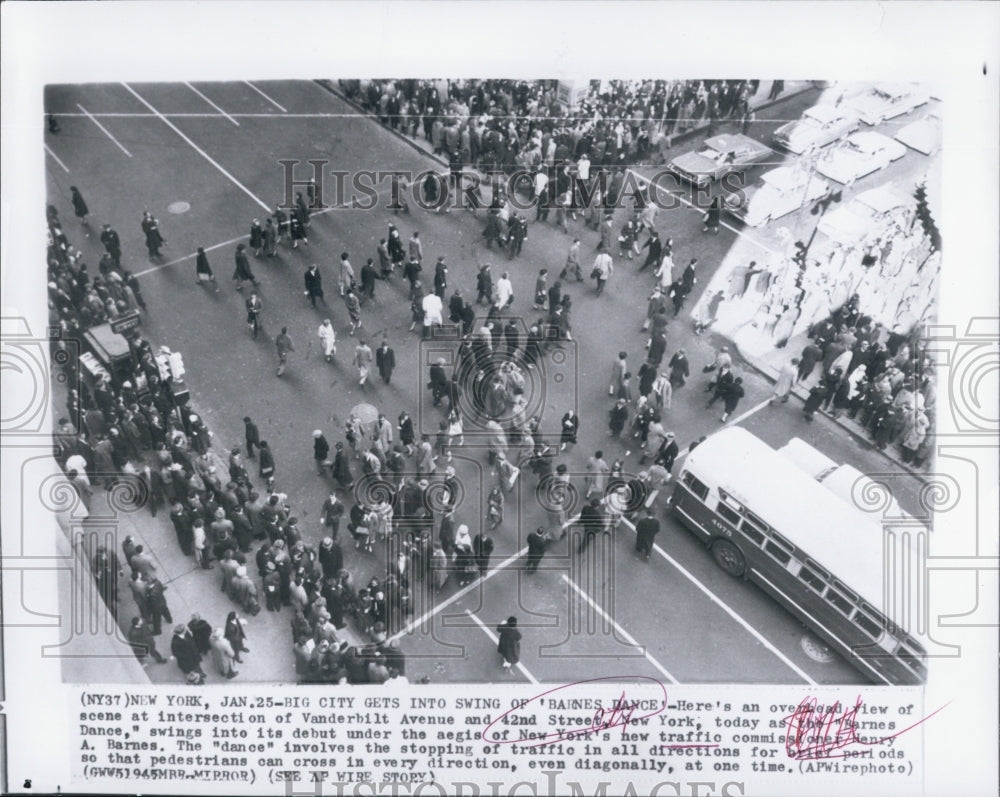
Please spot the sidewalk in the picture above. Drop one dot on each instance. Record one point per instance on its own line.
(422, 145)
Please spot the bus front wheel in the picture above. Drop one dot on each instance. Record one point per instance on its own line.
(729, 558)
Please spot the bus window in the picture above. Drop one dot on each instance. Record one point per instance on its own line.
(868, 624)
(839, 602)
(695, 486)
(778, 552)
(728, 514)
(850, 593)
(752, 518)
(822, 571)
(815, 581)
(752, 531)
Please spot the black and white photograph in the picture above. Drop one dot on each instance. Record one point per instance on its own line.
(420, 381)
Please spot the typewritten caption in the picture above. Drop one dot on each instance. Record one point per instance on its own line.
(368, 741)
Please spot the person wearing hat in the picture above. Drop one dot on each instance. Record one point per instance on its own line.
(245, 591)
(385, 360)
(202, 633)
(185, 652)
(645, 533)
(140, 638)
(252, 435)
(341, 468)
(328, 335)
(321, 450)
(223, 654)
(509, 643)
(242, 271)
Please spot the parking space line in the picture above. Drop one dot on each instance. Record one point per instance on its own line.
(103, 129)
(206, 99)
(458, 595)
(56, 158)
(262, 94)
(725, 607)
(198, 149)
(496, 641)
(621, 631)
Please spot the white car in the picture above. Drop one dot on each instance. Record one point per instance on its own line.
(870, 212)
(778, 192)
(819, 126)
(923, 135)
(886, 101)
(861, 153)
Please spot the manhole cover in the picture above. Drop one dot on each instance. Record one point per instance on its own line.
(816, 649)
(179, 207)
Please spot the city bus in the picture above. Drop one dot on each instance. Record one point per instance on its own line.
(766, 519)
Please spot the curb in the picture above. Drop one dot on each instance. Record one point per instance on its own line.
(852, 429)
(328, 85)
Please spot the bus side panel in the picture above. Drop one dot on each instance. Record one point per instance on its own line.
(692, 512)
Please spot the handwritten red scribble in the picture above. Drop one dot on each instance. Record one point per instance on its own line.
(619, 714)
(813, 733)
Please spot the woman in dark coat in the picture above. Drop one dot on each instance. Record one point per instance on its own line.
(185, 651)
(509, 645)
(266, 460)
(242, 271)
(618, 417)
(79, 206)
(256, 237)
(236, 635)
(570, 426)
(151, 228)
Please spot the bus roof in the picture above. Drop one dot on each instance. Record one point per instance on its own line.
(837, 535)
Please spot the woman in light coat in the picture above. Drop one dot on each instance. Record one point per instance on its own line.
(328, 335)
(222, 654)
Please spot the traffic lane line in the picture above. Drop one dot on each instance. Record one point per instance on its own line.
(56, 159)
(727, 609)
(496, 641)
(266, 97)
(199, 150)
(103, 129)
(621, 631)
(430, 614)
(206, 99)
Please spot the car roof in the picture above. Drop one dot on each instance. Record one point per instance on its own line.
(894, 89)
(824, 113)
(727, 142)
(867, 139)
(884, 198)
(784, 178)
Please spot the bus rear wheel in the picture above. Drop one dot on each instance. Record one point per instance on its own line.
(729, 558)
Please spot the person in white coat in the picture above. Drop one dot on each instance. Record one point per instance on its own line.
(328, 335)
(504, 291)
(786, 378)
(222, 654)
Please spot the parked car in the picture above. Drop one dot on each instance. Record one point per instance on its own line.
(776, 193)
(869, 213)
(717, 157)
(885, 101)
(861, 153)
(819, 126)
(924, 135)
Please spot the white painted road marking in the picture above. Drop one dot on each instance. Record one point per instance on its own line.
(198, 149)
(496, 641)
(206, 99)
(262, 94)
(56, 158)
(621, 631)
(103, 129)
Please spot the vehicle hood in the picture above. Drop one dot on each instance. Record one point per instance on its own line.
(795, 134)
(844, 226)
